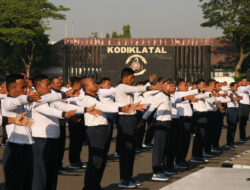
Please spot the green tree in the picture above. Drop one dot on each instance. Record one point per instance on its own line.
(114, 35)
(23, 25)
(233, 17)
(107, 35)
(125, 33)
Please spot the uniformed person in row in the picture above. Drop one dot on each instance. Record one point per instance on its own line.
(211, 104)
(200, 122)
(185, 123)
(244, 107)
(150, 122)
(124, 96)
(3, 94)
(56, 87)
(77, 131)
(232, 114)
(106, 94)
(162, 104)
(45, 133)
(18, 155)
(98, 133)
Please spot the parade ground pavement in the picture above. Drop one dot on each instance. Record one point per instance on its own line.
(74, 180)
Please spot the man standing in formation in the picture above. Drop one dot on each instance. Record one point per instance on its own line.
(36, 142)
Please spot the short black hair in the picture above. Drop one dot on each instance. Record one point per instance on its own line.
(38, 78)
(104, 79)
(73, 80)
(2, 81)
(179, 80)
(169, 80)
(83, 77)
(160, 79)
(11, 79)
(126, 72)
(54, 77)
(210, 81)
(200, 81)
(232, 84)
(243, 78)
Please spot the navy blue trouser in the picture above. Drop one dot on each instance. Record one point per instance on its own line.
(185, 129)
(77, 135)
(127, 145)
(4, 135)
(18, 166)
(209, 132)
(97, 137)
(232, 120)
(150, 129)
(200, 122)
(173, 134)
(243, 114)
(139, 131)
(45, 155)
(61, 142)
(217, 129)
(160, 146)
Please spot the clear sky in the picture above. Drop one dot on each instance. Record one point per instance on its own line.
(147, 18)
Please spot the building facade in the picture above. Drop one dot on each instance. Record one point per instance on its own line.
(187, 58)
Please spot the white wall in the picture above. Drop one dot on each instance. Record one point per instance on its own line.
(222, 79)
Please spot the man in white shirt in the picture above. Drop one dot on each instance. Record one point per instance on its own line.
(3, 94)
(97, 133)
(224, 86)
(77, 131)
(18, 156)
(186, 123)
(106, 94)
(232, 114)
(150, 122)
(244, 107)
(222, 99)
(56, 86)
(162, 104)
(45, 132)
(200, 123)
(125, 95)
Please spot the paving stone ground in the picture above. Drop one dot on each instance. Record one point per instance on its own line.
(241, 160)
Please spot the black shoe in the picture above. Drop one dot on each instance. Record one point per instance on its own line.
(208, 154)
(136, 182)
(75, 166)
(62, 170)
(234, 146)
(116, 155)
(171, 171)
(84, 164)
(217, 150)
(197, 159)
(227, 146)
(110, 158)
(182, 165)
(3, 145)
(243, 140)
(128, 184)
(138, 150)
(149, 145)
